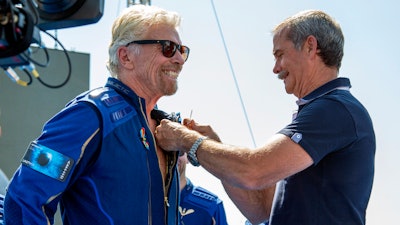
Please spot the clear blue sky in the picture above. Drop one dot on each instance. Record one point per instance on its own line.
(207, 85)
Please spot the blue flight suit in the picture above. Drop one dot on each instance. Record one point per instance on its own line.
(97, 158)
(199, 206)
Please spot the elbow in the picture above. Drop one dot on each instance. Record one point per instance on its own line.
(254, 185)
(251, 172)
(255, 181)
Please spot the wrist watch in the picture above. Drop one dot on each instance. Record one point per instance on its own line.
(191, 155)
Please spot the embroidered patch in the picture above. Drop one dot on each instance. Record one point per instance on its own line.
(120, 114)
(297, 137)
(112, 100)
(48, 161)
(185, 211)
(144, 139)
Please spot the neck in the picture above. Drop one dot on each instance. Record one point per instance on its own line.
(182, 182)
(141, 90)
(321, 77)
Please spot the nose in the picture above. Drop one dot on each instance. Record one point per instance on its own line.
(178, 58)
(277, 68)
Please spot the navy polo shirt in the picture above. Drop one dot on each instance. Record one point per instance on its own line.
(334, 128)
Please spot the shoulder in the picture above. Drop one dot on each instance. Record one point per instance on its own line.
(200, 200)
(113, 107)
(101, 94)
(328, 109)
(203, 197)
(338, 107)
(203, 193)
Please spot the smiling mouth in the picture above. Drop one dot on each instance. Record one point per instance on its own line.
(172, 74)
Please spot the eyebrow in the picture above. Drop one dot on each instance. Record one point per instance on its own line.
(276, 51)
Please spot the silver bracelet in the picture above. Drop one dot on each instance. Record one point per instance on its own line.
(191, 155)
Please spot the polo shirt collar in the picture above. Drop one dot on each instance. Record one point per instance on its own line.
(340, 83)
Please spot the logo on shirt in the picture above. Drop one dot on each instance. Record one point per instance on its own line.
(185, 212)
(296, 137)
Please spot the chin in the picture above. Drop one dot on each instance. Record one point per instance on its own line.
(171, 92)
(288, 91)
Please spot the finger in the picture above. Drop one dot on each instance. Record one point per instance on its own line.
(189, 123)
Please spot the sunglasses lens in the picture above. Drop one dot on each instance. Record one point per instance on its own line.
(169, 49)
(184, 52)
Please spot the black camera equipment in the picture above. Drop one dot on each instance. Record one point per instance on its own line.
(158, 115)
(22, 20)
(17, 30)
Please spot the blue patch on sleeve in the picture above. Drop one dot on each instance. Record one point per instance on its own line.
(297, 137)
(48, 161)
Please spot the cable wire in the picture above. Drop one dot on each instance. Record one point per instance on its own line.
(68, 61)
(28, 74)
(30, 59)
(233, 74)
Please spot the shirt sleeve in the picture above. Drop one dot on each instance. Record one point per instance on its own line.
(321, 127)
(34, 191)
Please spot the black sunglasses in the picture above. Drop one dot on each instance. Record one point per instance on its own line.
(168, 47)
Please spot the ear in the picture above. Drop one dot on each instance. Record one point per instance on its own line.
(310, 47)
(125, 57)
(311, 44)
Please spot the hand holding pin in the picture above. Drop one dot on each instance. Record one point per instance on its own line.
(189, 122)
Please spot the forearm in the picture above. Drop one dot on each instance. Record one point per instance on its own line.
(255, 205)
(227, 162)
(214, 156)
(252, 169)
